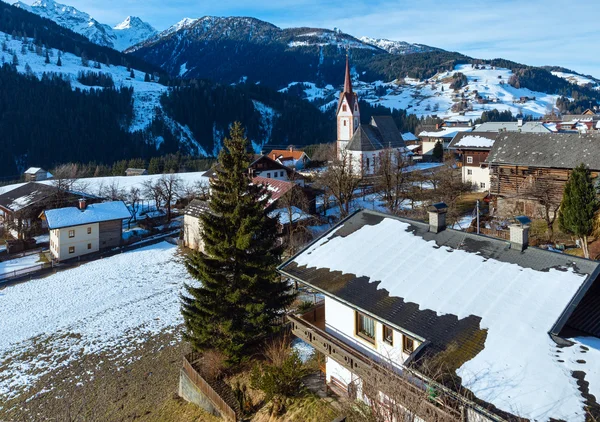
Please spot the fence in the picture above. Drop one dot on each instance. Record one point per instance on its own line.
(24, 271)
(226, 411)
(501, 234)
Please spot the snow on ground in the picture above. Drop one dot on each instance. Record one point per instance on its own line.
(268, 116)
(577, 79)
(513, 302)
(146, 94)
(305, 350)
(112, 303)
(95, 185)
(434, 96)
(19, 264)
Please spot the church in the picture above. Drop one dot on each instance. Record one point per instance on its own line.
(363, 144)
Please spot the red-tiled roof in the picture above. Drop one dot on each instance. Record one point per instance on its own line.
(285, 154)
(277, 188)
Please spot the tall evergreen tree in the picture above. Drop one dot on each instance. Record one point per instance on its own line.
(438, 151)
(240, 293)
(579, 206)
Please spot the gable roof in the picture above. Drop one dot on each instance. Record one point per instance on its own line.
(26, 195)
(196, 207)
(94, 213)
(474, 141)
(380, 134)
(527, 127)
(277, 188)
(286, 154)
(556, 150)
(447, 132)
(472, 297)
(33, 170)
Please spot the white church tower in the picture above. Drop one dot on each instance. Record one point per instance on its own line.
(348, 113)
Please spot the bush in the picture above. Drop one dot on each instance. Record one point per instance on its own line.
(281, 379)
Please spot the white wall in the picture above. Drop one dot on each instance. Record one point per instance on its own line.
(60, 242)
(340, 322)
(191, 233)
(478, 175)
(273, 174)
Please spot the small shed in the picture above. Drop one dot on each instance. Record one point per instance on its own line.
(36, 174)
(136, 172)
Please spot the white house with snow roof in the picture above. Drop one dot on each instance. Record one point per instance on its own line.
(78, 231)
(516, 326)
(473, 149)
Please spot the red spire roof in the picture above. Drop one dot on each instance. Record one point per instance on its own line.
(348, 81)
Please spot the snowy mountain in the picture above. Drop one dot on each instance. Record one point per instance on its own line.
(397, 47)
(131, 31)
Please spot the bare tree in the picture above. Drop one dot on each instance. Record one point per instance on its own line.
(540, 191)
(449, 187)
(67, 179)
(134, 197)
(113, 191)
(170, 187)
(295, 204)
(153, 190)
(391, 178)
(340, 180)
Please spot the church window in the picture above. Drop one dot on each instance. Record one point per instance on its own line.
(344, 123)
(344, 108)
(368, 162)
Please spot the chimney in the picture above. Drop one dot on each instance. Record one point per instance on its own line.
(437, 217)
(291, 149)
(519, 233)
(82, 204)
(274, 156)
(520, 122)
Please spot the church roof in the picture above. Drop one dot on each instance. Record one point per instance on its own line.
(380, 134)
(350, 96)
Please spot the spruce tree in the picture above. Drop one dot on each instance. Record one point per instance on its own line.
(239, 293)
(579, 206)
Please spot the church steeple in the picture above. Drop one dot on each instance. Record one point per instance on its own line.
(348, 80)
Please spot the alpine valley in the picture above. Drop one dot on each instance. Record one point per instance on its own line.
(76, 90)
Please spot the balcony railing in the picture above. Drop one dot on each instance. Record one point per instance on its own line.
(410, 388)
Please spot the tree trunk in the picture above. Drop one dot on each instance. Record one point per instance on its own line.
(585, 247)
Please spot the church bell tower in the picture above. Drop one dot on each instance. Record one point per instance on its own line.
(348, 113)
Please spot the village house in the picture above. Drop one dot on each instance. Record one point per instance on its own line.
(20, 207)
(36, 174)
(404, 300)
(526, 166)
(136, 172)
(362, 144)
(473, 149)
(288, 214)
(78, 231)
(265, 166)
(290, 157)
(191, 224)
(443, 135)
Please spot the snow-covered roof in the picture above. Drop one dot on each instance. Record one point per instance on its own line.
(94, 213)
(447, 132)
(413, 147)
(409, 136)
(474, 140)
(32, 170)
(284, 215)
(489, 305)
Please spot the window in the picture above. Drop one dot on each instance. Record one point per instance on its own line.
(71, 249)
(388, 335)
(368, 163)
(345, 122)
(408, 344)
(365, 327)
(89, 230)
(281, 174)
(469, 160)
(89, 246)
(71, 233)
(469, 172)
(268, 175)
(482, 185)
(344, 108)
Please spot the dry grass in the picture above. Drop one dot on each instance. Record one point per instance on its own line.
(110, 386)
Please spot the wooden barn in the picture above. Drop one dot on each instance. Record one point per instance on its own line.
(529, 171)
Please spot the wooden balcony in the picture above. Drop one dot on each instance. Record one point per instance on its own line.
(410, 389)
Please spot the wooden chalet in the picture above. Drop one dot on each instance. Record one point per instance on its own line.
(526, 166)
(473, 149)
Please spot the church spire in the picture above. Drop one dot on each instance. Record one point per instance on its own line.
(348, 81)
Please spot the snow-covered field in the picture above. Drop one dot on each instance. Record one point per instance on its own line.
(112, 303)
(577, 79)
(434, 95)
(95, 185)
(19, 264)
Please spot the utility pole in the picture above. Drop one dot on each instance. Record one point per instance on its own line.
(478, 216)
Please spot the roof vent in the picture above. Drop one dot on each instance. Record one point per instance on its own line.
(519, 233)
(437, 217)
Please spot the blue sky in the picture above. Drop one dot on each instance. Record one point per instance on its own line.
(529, 31)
